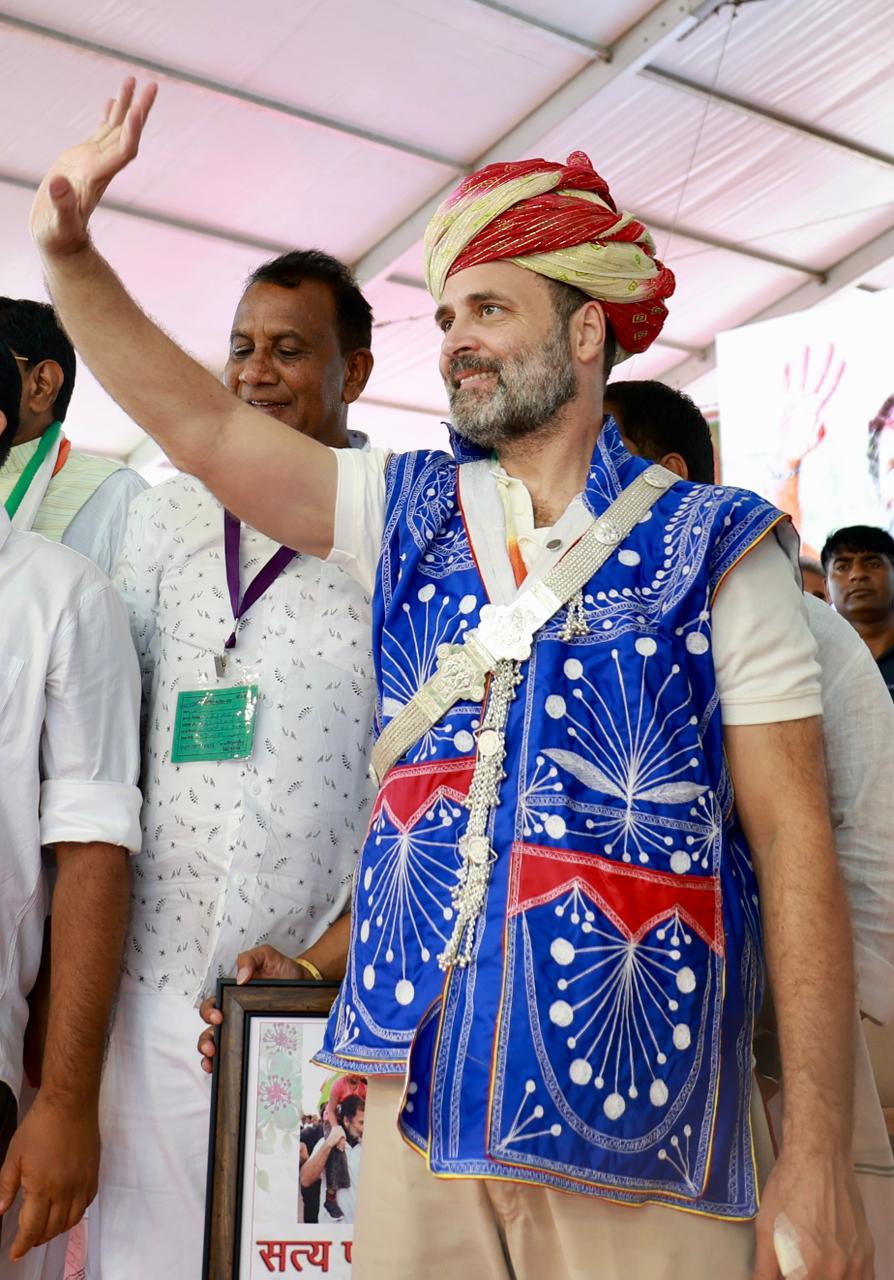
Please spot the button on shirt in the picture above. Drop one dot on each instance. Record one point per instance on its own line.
(240, 852)
(69, 705)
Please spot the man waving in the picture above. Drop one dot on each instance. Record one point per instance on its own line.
(557, 949)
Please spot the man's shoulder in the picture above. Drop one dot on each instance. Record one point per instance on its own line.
(95, 466)
(53, 570)
(181, 493)
(404, 470)
(834, 636)
(726, 498)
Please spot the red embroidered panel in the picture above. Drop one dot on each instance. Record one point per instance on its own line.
(636, 899)
(409, 791)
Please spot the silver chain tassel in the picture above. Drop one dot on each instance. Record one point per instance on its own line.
(575, 618)
(484, 792)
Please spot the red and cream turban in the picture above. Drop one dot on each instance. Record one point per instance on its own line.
(560, 221)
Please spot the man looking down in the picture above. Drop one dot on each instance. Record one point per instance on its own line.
(555, 932)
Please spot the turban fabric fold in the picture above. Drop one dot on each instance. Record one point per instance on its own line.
(559, 221)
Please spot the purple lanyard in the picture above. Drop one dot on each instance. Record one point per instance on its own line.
(264, 578)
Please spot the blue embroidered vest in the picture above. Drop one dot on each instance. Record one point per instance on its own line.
(600, 1040)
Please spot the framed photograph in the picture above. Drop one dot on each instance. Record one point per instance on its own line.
(286, 1138)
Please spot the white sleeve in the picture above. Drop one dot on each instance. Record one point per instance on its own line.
(764, 654)
(359, 513)
(90, 754)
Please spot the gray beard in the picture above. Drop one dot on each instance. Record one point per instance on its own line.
(530, 390)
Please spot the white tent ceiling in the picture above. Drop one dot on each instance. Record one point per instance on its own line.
(755, 141)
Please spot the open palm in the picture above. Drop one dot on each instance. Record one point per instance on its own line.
(75, 184)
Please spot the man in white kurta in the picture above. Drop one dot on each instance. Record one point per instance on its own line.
(236, 852)
(69, 699)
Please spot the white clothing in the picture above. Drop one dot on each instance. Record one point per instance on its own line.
(83, 506)
(235, 853)
(69, 698)
(858, 729)
(69, 693)
(148, 1219)
(97, 531)
(764, 674)
(240, 852)
(345, 1197)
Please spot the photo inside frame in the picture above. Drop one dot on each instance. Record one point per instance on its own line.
(297, 1116)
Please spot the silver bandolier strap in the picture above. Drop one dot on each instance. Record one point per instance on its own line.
(505, 632)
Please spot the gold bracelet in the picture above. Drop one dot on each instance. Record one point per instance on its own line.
(311, 968)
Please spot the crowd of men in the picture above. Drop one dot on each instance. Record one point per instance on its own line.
(539, 746)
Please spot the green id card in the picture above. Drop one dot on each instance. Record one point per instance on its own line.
(215, 724)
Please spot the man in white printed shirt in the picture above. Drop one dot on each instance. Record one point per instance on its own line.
(69, 700)
(236, 851)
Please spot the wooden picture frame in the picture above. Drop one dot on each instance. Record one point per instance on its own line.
(234, 1093)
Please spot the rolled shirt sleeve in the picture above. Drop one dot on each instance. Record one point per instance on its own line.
(90, 741)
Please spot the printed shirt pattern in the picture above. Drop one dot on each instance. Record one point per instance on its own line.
(600, 1041)
(241, 852)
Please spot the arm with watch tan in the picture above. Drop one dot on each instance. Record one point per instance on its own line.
(324, 961)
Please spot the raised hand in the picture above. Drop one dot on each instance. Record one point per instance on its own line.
(75, 184)
(807, 393)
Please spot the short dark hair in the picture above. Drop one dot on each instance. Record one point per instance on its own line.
(351, 1105)
(567, 299)
(858, 537)
(353, 314)
(10, 399)
(32, 329)
(660, 420)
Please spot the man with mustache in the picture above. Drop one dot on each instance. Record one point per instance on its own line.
(859, 566)
(248, 844)
(556, 947)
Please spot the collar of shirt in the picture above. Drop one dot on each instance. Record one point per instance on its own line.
(518, 511)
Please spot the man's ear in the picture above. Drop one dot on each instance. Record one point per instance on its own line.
(358, 367)
(46, 380)
(677, 463)
(588, 332)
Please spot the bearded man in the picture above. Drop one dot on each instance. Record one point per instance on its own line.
(560, 918)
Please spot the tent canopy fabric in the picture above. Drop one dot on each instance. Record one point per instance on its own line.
(753, 138)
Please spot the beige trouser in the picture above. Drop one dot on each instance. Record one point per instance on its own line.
(413, 1226)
